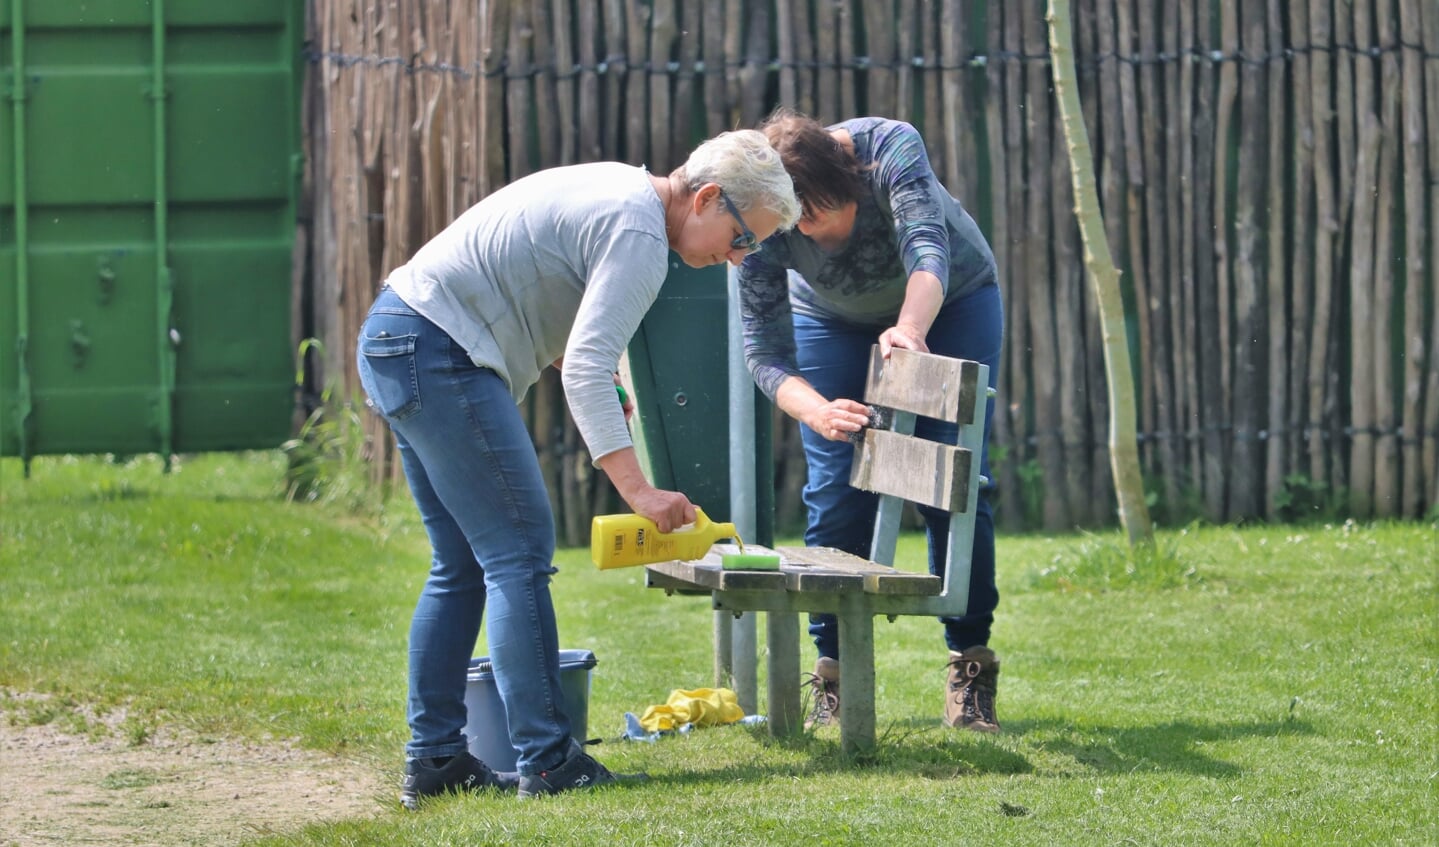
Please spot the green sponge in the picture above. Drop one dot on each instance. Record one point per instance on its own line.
(750, 561)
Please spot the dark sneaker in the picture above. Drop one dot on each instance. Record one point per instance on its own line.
(969, 691)
(824, 693)
(461, 773)
(580, 770)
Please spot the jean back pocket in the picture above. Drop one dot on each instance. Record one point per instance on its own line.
(387, 373)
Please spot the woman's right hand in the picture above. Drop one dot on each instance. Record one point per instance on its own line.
(670, 510)
(836, 420)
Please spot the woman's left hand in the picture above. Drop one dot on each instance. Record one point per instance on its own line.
(626, 403)
(901, 336)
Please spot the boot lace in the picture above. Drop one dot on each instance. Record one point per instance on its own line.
(973, 686)
(825, 700)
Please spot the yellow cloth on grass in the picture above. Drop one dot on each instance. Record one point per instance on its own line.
(699, 706)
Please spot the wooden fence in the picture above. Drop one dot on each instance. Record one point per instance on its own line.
(1269, 171)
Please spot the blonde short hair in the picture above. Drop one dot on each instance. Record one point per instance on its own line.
(748, 169)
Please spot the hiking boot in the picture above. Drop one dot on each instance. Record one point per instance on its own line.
(824, 693)
(426, 778)
(969, 691)
(580, 770)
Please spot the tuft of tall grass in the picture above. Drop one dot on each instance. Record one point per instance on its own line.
(327, 460)
(1100, 563)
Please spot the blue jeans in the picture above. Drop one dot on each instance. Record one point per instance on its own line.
(472, 469)
(834, 357)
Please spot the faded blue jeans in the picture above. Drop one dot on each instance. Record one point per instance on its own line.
(473, 471)
(834, 357)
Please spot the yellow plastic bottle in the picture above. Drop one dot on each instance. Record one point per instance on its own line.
(621, 541)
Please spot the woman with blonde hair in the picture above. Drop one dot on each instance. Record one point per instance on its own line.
(555, 269)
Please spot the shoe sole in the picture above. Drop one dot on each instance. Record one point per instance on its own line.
(987, 729)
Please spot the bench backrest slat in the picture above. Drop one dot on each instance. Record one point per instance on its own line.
(927, 385)
(924, 472)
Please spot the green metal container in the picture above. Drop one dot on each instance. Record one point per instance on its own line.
(149, 168)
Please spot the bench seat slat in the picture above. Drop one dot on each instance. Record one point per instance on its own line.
(821, 570)
(876, 578)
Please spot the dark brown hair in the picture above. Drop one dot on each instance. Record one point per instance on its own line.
(826, 175)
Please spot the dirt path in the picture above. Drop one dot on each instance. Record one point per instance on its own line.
(57, 788)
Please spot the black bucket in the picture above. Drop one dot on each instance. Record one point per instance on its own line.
(488, 729)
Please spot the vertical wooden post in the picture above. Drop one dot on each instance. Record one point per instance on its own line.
(590, 144)
(681, 131)
(1346, 118)
(1068, 305)
(518, 88)
(616, 71)
(1156, 277)
(1134, 218)
(663, 32)
(1038, 277)
(1411, 421)
(879, 39)
(827, 108)
(1386, 441)
(848, 96)
(754, 73)
(1302, 232)
(1277, 273)
(1112, 177)
(636, 110)
(804, 42)
(1017, 181)
(1247, 403)
(1001, 240)
(931, 36)
(906, 34)
(543, 81)
(1185, 303)
(786, 39)
(565, 81)
(1326, 227)
(1429, 446)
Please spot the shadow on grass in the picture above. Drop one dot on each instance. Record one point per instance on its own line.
(1176, 746)
(1045, 748)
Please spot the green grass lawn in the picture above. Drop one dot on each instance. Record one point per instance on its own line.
(1263, 685)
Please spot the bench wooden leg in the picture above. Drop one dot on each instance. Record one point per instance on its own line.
(782, 632)
(856, 679)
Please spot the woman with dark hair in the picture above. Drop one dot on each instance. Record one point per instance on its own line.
(555, 268)
(881, 254)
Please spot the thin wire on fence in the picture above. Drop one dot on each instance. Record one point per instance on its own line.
(978, 61)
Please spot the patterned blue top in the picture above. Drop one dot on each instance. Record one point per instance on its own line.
(908, 222)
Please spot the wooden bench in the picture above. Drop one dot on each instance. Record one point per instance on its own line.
(899, 467)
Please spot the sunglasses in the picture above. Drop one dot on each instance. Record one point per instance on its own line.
(746, 240)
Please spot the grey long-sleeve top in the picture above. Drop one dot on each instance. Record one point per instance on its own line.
(907, 222)
(564, 262)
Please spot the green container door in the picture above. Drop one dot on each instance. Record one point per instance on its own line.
(148, 175)
(679, 364)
